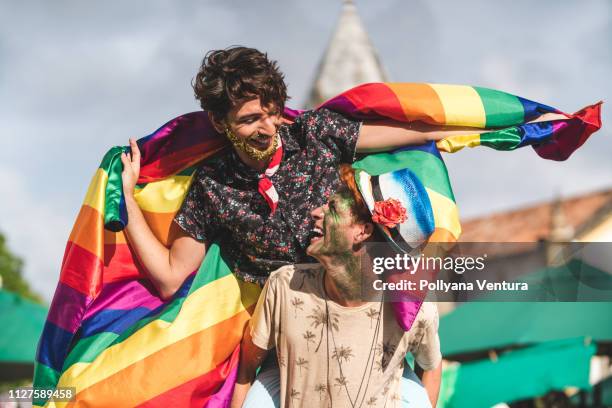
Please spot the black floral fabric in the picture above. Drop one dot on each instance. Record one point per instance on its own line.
(223, 204)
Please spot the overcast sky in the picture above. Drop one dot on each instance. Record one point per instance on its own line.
(77, 77)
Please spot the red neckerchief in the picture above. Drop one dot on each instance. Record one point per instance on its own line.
(266, 188)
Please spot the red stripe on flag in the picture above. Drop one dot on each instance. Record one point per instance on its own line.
(81, 270)
(120, 264)
(197, 392)
(174, 163)
(379, 99)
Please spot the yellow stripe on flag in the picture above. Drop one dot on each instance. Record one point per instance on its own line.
(209, 305)
(462, 105)
(453, 144)
(446, 213)
(95, 192)
(163, 196)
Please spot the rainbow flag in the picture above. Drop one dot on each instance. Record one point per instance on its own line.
(108, 333)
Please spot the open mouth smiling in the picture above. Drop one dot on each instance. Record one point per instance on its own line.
(317, 234)
(260, 142)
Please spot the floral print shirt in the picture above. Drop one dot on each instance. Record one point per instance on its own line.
(223, 204)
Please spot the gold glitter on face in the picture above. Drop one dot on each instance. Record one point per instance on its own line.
(250, 151)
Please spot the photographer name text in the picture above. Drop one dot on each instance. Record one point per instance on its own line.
(442, 286)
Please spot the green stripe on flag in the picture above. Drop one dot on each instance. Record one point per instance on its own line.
(505, 139)
(44, 377)
(88, 349)
(429, 169)
(501, 109)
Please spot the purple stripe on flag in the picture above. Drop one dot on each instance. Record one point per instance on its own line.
(223, 397)
(291, 114)
(67, 308)
(343, 105)
(405, 312)
(180, 133)
(125, 295)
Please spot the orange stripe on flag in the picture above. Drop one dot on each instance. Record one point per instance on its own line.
(161, 223)
(197, 392)
(114, 237)
(419, 102)
(441, 235)
(162, 226)
(189, 358)
(88, 222)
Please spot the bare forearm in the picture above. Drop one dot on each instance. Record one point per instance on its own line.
(386, 135)
(240, 392)
(251, 357)
(431, 381)
(378, 136)
(153, 255)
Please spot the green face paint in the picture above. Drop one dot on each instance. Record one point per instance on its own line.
(336, 217)
(337, 246)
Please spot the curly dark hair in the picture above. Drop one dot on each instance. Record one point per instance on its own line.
(228, 77)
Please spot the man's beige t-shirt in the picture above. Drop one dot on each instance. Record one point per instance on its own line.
(335, 356)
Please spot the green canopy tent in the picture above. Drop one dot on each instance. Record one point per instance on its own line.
(475, 328)
(22, 322)
(517, 375)
(539, 345)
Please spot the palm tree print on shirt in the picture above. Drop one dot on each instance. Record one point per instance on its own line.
(385, 350)
(321, 389)
(309, 337)
(297, 303)
(319, 318)
(302, 362)
(295, 395)
(371, 402)
(372, 314)
(340, 382)
(343, 353)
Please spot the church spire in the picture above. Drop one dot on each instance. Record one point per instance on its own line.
(350, 58)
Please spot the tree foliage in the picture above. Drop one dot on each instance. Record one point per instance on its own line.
(10, 272)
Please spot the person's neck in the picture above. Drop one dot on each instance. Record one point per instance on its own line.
(342, 281)
(259, 165)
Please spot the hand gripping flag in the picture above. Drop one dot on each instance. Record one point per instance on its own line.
(108, 333)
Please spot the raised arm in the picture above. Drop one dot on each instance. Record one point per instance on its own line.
(167, 267)
(380, 136)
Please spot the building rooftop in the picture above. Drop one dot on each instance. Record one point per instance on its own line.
(535, 223)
